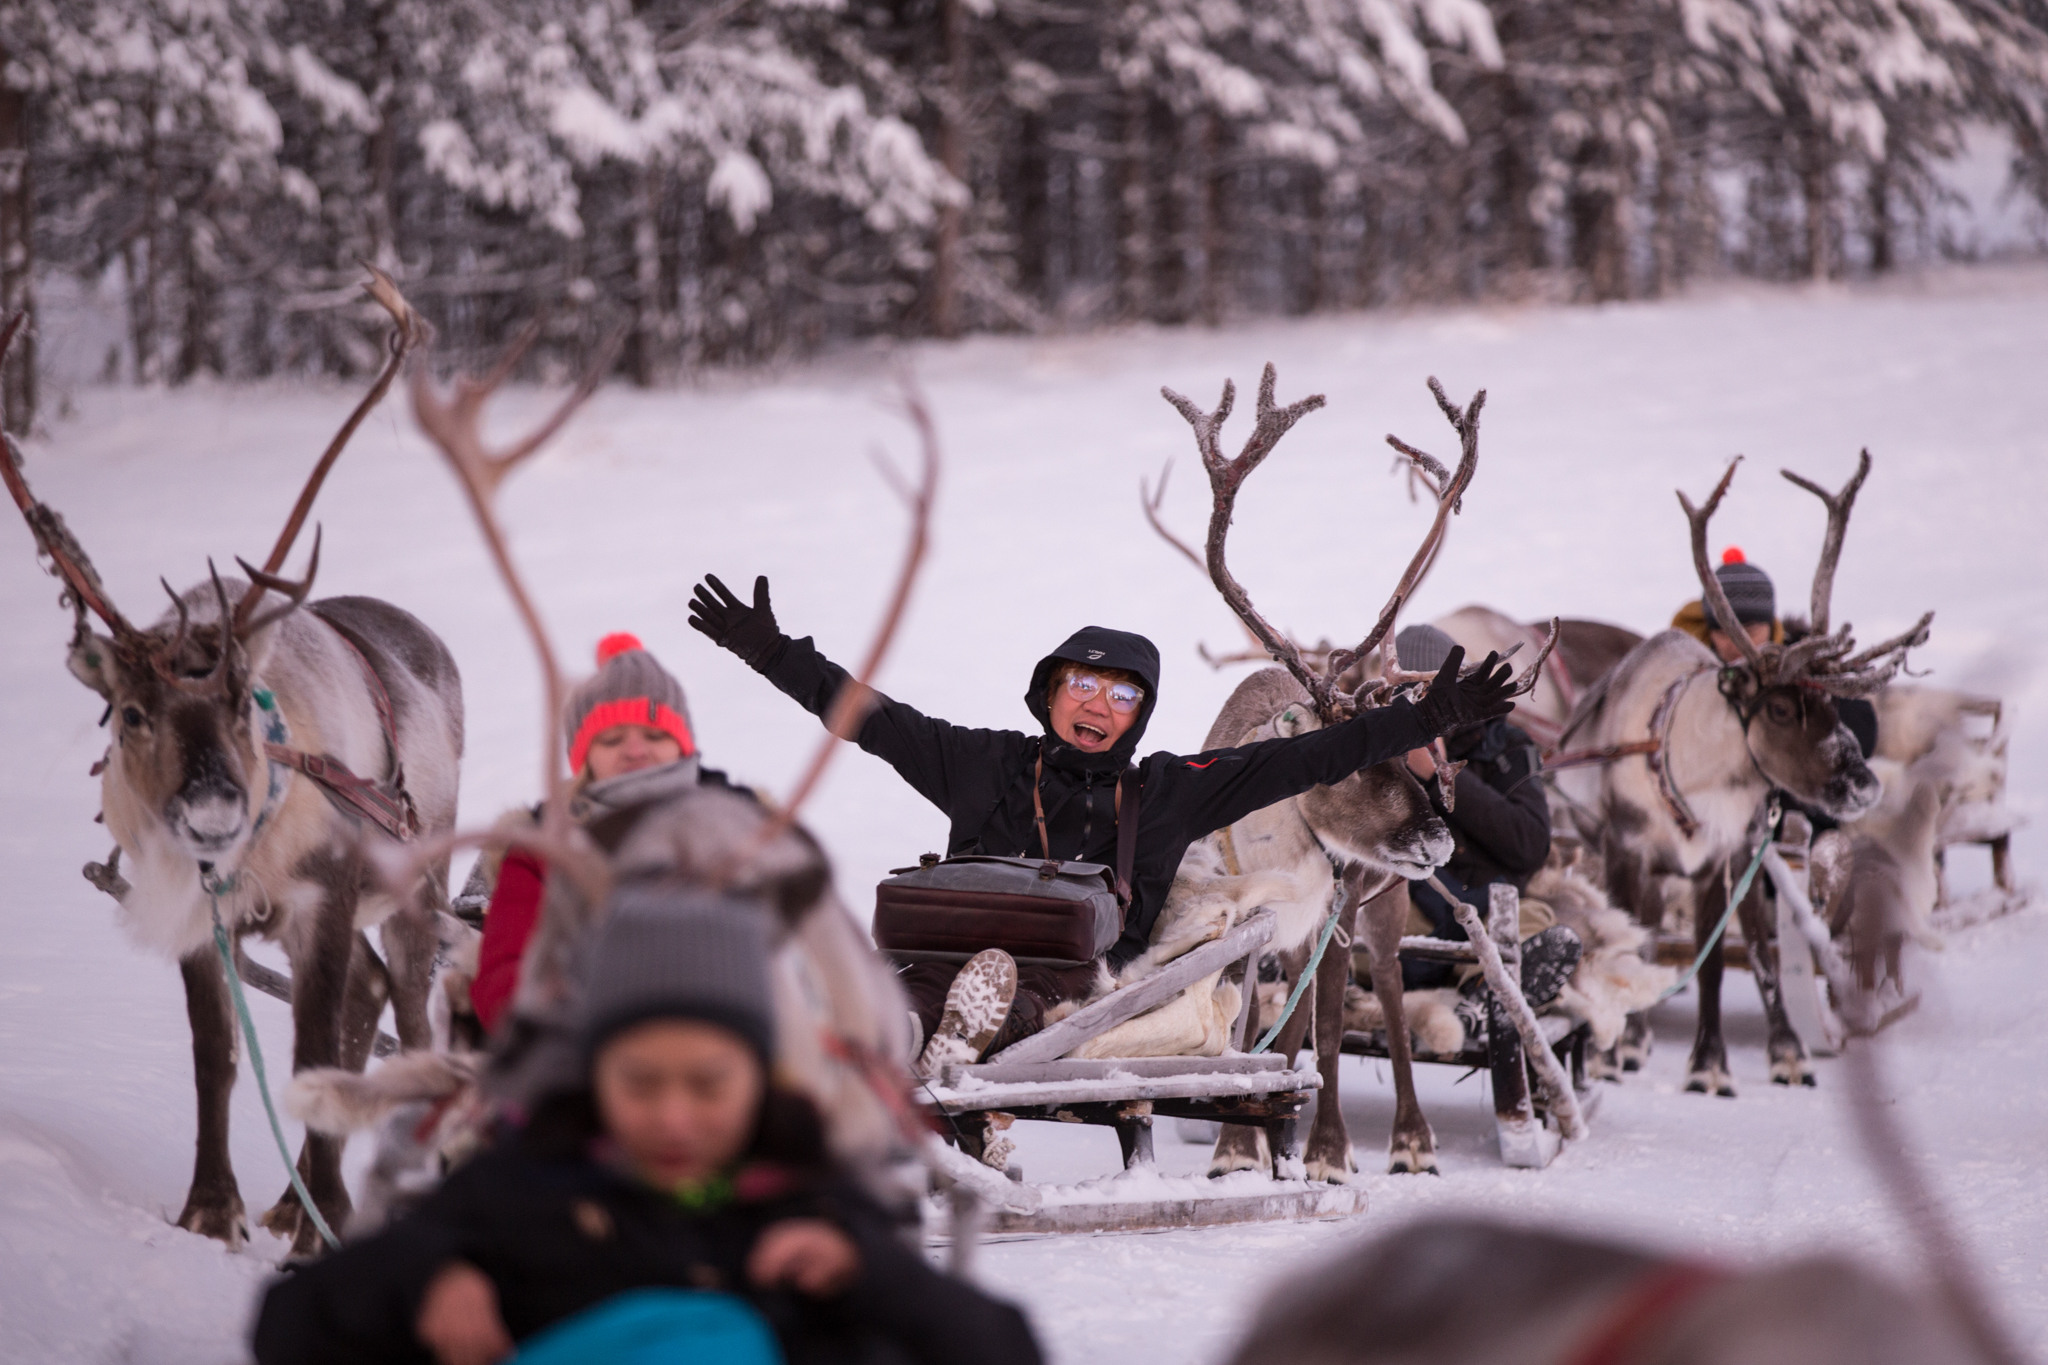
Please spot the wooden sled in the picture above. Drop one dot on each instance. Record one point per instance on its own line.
(1033, 1079)
(1529, 1135)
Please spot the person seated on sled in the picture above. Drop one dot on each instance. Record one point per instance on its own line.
(1755, 600)
(630, 744)
(1500, 826)
(1091, 697)
(676, 1204)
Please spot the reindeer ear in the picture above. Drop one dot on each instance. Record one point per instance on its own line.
(1297, 719)
(92, 662)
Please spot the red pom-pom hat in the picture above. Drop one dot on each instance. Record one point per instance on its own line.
(630, 689)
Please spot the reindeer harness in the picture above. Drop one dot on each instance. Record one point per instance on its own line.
(388, 806)
(1655, 749)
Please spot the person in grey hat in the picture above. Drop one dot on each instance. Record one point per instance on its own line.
(678, 1194)
(1500, 824)
(1755, 600)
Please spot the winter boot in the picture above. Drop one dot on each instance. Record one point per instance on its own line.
(977, 1004)
(1548, 961)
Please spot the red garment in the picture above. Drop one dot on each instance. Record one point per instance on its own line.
(508, 924)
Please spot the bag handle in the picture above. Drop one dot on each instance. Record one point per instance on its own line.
(1126, 830)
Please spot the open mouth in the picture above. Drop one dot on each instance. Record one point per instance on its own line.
(1087, 736)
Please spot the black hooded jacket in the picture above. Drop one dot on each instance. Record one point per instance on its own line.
(982, 779)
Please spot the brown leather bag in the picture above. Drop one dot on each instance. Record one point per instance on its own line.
(1036, 909)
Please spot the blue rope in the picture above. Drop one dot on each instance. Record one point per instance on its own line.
(1308, 974)
(1734, 901)
(291, 1168)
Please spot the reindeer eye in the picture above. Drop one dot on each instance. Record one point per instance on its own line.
(131, 717)
(1781, 710)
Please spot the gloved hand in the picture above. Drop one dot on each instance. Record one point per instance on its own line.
(1454, 703)
(749, 632)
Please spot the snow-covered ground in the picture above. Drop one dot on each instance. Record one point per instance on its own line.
(1594, 416)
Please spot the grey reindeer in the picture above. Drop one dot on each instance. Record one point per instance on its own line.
(256, 754)
(1704, 743)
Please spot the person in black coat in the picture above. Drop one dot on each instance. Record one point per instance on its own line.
(680, 1194)
(1092, 698)
(1500, 825)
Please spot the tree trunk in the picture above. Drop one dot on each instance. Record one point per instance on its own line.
(17, 258)
(1817, 180)
(945, 314)
(1211, 212)
(649, 325)
(382, 149)
(1135, 237)
(1879, 190)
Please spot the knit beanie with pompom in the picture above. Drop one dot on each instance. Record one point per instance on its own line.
(1748, 588)
(630, 689)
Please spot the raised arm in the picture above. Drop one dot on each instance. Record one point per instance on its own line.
(934, 756)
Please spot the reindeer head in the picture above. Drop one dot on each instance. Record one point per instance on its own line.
(187, 741)
(1785, 693)
(183, 696)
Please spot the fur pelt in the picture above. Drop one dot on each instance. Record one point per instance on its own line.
(1612, 980)
(1197, 1022)
(1433, 1022)
(337, 1101)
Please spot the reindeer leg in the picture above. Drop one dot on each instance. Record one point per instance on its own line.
(1243, 1146)
(1788, 1054)
(1412, 1148)
(324, 958)
(410, 942)
(1632, 887)
(1708, 1071)
(213, 1206)
(1329, 1156)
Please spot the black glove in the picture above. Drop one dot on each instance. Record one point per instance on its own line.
(1453, 703)
(749, 632)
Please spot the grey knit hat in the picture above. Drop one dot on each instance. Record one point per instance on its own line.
(666, 952)
(1749, 591)
(630, 689)
(1422, 649)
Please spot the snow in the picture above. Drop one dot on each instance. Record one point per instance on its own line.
(1594, 416)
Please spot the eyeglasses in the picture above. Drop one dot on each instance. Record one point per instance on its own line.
(1123, 696)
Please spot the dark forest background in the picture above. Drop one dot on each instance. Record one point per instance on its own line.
(733, 181)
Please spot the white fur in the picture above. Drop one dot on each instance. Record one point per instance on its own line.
(1432, 1017)
(337, 1101)
(1612, 980)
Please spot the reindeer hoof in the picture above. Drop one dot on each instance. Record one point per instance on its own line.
(1790, 1071)
(1412, 1163)
(1332, 1172)
(1712, 1082)
(224, 1220)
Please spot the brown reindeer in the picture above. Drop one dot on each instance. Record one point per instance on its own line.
(1347, 846)
(256, 752)
(1711, 741)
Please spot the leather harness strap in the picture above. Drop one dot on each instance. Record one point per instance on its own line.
(1655, 749)
(388, 806)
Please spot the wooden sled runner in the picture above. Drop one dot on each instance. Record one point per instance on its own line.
(1530, 1133)
(1032, 1079)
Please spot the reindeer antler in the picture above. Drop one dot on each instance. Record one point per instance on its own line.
(1152, 498)
(1839, 506)
(1226, 477)
(1716, 598)
(1450, 489)
(408, 330)
(850, 708)
(68, 560)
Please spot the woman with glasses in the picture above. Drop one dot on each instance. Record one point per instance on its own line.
(1091, 697)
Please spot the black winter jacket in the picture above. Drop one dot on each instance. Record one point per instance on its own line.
(982, 779)
(1501, 819)
(559, 1232)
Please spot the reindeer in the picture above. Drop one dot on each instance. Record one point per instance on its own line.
(843, 1027)
(1345, 847)
(1701, 745)
(231, 788)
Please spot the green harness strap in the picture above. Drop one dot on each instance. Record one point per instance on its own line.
(1308, 974)
(291, 1168)
(1734, 900)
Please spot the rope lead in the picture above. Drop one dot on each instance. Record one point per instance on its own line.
(213, 887)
